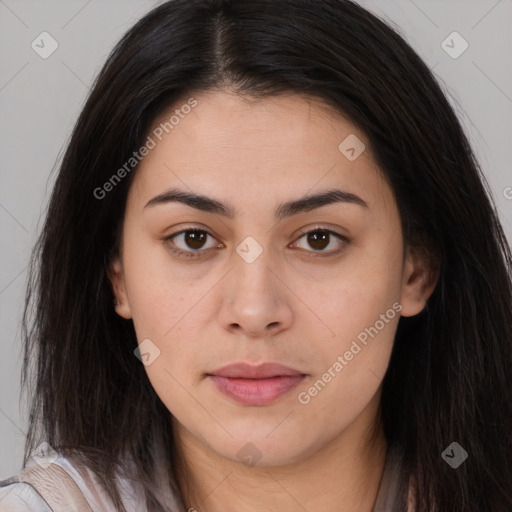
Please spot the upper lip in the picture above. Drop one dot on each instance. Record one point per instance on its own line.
(261, 371)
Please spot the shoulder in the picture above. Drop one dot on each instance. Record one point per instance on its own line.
(20, 495)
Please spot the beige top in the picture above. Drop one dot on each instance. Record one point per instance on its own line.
(21, 496)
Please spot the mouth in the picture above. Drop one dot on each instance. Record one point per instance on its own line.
(256, 385)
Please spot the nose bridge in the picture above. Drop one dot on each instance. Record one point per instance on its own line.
(253, 264)
(253, 298)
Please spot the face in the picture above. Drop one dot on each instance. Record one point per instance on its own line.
(253, 273)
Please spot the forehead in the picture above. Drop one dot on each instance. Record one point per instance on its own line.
(228, 119)
(239, 147)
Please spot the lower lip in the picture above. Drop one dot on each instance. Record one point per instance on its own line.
(256, 391)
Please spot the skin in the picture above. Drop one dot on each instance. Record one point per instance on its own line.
(291, 305)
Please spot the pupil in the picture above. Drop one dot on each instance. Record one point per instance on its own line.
(318, 239)
(195, 239)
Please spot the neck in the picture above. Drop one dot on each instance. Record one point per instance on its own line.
(343, 475)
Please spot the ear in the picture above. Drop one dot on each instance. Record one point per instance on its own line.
(116, 278)
(420, 276)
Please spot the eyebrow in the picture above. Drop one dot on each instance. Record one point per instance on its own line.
(284, 210)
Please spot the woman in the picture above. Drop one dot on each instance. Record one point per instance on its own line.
(271, 277)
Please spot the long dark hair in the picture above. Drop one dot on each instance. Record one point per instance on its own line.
(450, 374)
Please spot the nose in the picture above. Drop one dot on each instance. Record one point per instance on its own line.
(255, 299)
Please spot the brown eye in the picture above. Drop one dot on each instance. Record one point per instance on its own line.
(190, 243)
(195, 239)
(321, 239)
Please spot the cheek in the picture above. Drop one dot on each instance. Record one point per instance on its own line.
(155, 294)
(176, 368)
(361, 307)
(171, 386)
(357, 295)
(350, 376)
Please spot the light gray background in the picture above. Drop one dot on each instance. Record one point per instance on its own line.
(40, 100)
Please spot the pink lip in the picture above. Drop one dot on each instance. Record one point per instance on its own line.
(256, 385)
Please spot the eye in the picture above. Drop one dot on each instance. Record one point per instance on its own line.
(192, 243)
(321, 238)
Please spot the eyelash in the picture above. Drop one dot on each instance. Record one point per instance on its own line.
(199, 253)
